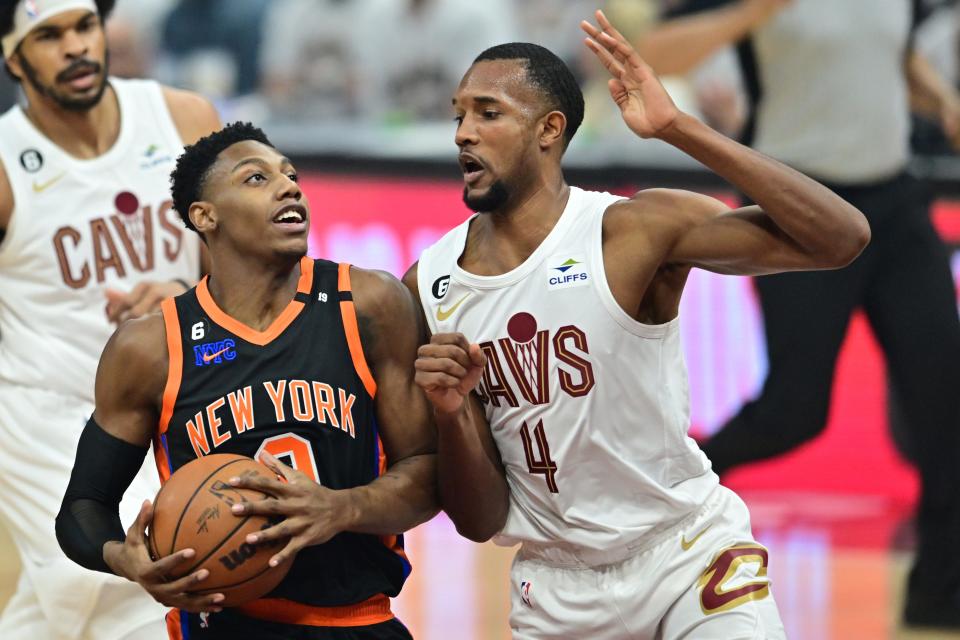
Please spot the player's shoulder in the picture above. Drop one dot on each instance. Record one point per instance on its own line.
(382, 302)
(193, 115)
(653, 209)
(382, 291)
(138, 343)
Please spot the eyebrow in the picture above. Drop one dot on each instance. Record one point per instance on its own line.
(259, 161)
(481, 100)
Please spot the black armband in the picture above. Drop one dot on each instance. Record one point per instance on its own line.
(89, 516)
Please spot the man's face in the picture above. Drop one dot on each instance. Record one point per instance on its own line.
(258, 204)
(65, 60)
(497, 113)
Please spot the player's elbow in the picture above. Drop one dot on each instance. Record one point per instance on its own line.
(479, 525)
(852, 242)
(476, 532)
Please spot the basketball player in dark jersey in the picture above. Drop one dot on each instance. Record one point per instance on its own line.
(273, 355)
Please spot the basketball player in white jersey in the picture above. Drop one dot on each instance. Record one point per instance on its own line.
(84, 210)
(558, 308)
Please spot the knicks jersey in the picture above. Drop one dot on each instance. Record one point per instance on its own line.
(78, 228)
(589, 408)
(300, 390)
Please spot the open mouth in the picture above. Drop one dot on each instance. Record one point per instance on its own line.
(291, 216)
(472, 168)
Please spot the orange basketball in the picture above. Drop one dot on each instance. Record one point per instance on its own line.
(192, 511)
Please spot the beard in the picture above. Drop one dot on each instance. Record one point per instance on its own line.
(67, 102)
(493, 200)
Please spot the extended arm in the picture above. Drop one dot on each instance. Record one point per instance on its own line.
(799, 224)
(473, 485)
(678, 45)
(129, 384)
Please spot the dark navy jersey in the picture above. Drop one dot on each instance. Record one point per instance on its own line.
(302, 390)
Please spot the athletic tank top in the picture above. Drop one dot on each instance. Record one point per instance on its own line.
(588, 407)
(79, 227)
(301, 390)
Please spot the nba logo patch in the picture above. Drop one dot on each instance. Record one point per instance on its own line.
(525, 587)
(31, 8)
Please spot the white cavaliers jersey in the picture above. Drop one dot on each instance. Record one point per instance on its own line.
(78, 228)
(588, 407)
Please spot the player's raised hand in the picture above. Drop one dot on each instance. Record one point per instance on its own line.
(448, 369)
(311, 513)
(131, 560)
(645, 105)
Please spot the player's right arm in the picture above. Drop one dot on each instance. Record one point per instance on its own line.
(473, 484)
(678, 45)
(6, 201)
(129, 388)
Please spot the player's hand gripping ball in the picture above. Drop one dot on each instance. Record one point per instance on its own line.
(193, 511)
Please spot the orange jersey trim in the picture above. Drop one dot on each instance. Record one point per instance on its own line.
(372, 611)
(352, 331)
(171, 322)
(174, 631)
(259, 338)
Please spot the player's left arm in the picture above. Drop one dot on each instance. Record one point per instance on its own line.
(391, 329)
(194, 117)
(406, 494)
(799, 223)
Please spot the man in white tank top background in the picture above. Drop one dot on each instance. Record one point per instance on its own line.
(558, 307)
(88, 238)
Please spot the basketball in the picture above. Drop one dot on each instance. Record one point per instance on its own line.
(192, 511)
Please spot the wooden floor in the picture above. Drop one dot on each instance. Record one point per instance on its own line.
(837, 563)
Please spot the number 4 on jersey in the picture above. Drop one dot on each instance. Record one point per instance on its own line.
(542, 464)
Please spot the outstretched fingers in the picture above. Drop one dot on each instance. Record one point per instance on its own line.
(606, 58)
(615, 44)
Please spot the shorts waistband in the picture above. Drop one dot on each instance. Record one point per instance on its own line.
(564, 555)
(372, 611)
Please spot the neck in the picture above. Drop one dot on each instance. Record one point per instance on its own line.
(502, 240)
(252, 292)
(82, 134)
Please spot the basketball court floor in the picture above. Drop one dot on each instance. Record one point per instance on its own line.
(837, 562)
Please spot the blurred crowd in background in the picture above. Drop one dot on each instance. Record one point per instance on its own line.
(312, 66)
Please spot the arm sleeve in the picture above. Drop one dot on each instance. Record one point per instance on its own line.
(89, 516)
(690, 7)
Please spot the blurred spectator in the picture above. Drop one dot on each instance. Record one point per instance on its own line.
(133, 32)
(555, 24)
(213, 46)
(317, 56)
(423, 46)
(830, 85)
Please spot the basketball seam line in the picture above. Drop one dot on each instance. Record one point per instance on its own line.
(186, 507)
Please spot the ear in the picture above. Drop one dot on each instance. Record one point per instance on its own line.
(203, 215)
(552, 127)
(13, 64)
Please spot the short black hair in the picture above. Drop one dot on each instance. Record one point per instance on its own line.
(9, 7)
(548, 73)
(193, 166)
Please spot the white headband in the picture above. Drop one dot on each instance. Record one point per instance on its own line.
(29, 14)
